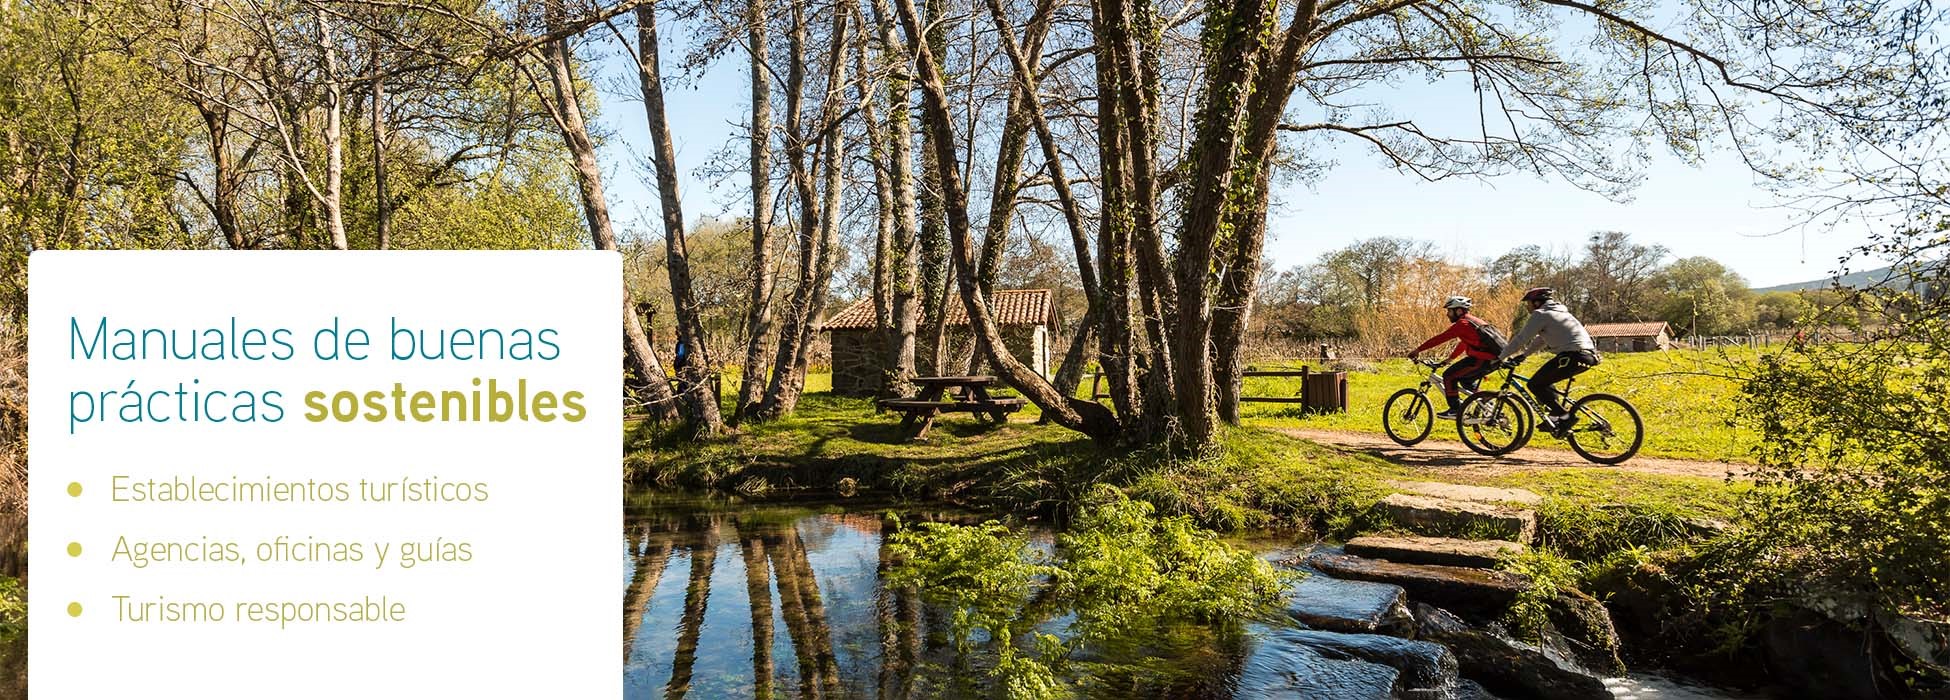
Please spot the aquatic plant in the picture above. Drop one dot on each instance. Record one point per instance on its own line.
(1120, 573)
(1549, 574)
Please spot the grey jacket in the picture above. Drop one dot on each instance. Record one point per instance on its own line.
(1553, 326)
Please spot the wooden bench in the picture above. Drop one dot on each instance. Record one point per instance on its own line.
(940, 395)
(1004, 405)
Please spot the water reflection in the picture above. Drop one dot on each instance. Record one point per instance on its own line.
(724, 599)
(727, 600)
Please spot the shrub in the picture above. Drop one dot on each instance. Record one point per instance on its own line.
(1854, 460)
(13, 607)
(1120, 572)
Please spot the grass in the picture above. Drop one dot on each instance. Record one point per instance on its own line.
(1684, 396)
(1257, 479)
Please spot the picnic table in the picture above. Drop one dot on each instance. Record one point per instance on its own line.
(940, 395)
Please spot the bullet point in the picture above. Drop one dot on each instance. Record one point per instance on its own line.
(74, 488)
(74, 549)
(74, 610)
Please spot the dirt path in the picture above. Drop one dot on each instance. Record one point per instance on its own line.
(1450, 455)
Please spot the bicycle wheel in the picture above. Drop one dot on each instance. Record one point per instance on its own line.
(1608, 430)
(1493, 423)
(1408, 417)
(1528, 423)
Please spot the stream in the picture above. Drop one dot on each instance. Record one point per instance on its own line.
(727, 599)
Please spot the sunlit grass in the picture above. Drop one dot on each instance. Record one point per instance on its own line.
(1255, 479)
(1686, 399)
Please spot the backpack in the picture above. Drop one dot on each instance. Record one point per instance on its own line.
(1493, 340)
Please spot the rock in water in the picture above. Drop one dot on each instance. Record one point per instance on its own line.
(1441, 551)
(1505, 669)
(1422, 669)
(1926, 642)
(1324, 602)
(1452, 518)
(1480, 593)
(1278, 669)
(1808, 650)
(1586, 627)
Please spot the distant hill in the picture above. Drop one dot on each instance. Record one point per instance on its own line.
(1854, 279)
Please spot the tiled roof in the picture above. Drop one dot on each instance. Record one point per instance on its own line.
(1013, 307)
(1625, 330)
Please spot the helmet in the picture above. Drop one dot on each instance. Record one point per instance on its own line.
(1538, 294)
(1458, 302)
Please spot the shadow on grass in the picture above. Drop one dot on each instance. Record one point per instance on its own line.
(889, 432)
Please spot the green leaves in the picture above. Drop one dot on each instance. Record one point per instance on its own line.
(1121, 572)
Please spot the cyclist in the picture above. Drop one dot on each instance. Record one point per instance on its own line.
(1477, 342)
(1552, 325)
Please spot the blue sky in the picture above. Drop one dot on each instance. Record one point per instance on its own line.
(1712, 210)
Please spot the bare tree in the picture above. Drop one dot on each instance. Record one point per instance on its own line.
(818, 227)
(899, 260)
(1191, 105)
(758, 316)
(647, 379)
(694, 367)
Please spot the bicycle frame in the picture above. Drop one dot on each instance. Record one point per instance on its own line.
(1519, 385)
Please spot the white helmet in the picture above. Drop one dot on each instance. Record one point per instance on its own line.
(1458, 302)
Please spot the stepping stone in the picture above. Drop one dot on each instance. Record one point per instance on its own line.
(1478, 593)
(1445, 517)
(1483, 554)
(1327, 603)
(1464, 492)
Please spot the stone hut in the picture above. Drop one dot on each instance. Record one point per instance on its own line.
(1027, 317)
(1642, 336)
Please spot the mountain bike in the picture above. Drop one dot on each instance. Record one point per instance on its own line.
(1605, 429)
(1409, 416)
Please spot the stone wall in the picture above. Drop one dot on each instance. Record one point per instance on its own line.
(858, 355)
(856, 359)
(1642, 343)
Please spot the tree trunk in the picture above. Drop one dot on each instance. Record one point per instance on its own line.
(223, 174)
(700, 399)
(1070, 375)
(1085, 416)
(1240, 40)
(1117, 346)
(1130, 30)
(884, 212)
(904, 270)
(1232, 314)
(647, 381)
(1007, 185)
(936, 266)
(818, 221)
(334, 136)
(758, 316)
(382, 207)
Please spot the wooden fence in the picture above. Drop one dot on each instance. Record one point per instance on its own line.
(1319, 391)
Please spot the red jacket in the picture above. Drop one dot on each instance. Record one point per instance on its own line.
(1468, 340)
